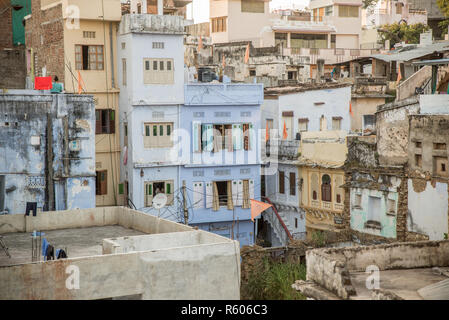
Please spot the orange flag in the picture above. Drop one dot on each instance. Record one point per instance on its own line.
(399, 74)
(285, 134)
(247, 54)
(267, 132)
(200, 44)
(257, 208)
(80, 83)
(350, 109)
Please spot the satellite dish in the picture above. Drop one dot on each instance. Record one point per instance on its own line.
(159, 201)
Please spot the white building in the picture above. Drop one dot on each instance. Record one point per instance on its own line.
(151, 78)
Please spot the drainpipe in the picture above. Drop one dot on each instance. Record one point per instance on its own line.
(111, 42)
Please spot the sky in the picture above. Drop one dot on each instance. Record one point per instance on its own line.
(201, 8)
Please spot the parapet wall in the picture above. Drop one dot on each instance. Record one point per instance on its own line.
(102, 216)
(330, 268)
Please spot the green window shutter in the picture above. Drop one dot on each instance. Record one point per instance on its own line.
(168, 188)
(161, 131)
(150, 189)
(147, 131)
(154, 131)
(112, 115)
(168, 129)
(121, 189)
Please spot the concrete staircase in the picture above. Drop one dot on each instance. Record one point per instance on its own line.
(279, 224)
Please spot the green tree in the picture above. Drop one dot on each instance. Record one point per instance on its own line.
(444, 8)
(396, 32)
(369, 3)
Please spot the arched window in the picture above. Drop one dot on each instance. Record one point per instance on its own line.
(326, 191)
(314, 196)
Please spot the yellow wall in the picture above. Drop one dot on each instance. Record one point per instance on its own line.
(325, 147)
(106, 94)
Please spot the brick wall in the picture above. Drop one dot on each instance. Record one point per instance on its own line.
(5, 26)
(44, 32)
(13, 66)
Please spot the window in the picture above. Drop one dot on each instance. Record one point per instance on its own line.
(326, 192)
(101, 182)
(418, 160)
(439, 146)
(323, 123)
(358, 201)
(440, 166)
(374, 209)
(152, 188)
(198, 195)
(348, 11)
(158, 45)
(399, 8)
(217, 137)
(252, 72)
(296, 223)
(333, 41)
(89, 57)
(336, 123)
(292, 75)
(328, 10)
(123, 45)
(281, 39)
(303, 124)
(162, 71)
(125, 133)
(338, 198)
(219, 24)
(314, 195)
(304, 40)
(88, 34)
(124, 71)
(158, 135)
(292, 180)
(369, 122)
(418, 144)
(281, 182)
(222, 188)
(254, 6)
(139, 8)
(391, 206)
(105, 121)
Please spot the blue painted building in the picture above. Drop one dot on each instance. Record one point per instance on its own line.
(222, 171)
(47, 151)
(186, 140)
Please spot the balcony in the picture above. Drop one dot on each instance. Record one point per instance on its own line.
(206, 93)
(330, 56)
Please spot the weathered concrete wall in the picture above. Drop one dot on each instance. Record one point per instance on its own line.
(428, 208)
(392, 131)
(190, 272)
(329, 267)
(47, 150)
(183, 263)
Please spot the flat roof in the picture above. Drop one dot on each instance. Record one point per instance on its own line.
(77, 242)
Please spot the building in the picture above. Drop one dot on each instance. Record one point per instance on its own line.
(159, 7)
(222, 166)
(434, 14)
(389, 12)
(151, 79)
(305, 186)
(59, 44)
(175, 133)
(47, 151)
(116, 253)
(398, 271)
(241, 20)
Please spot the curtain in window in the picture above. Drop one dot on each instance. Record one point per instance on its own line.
(246, 201)
(229, 193)
(215, 201)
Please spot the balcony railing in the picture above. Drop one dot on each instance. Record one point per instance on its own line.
(330, 55)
